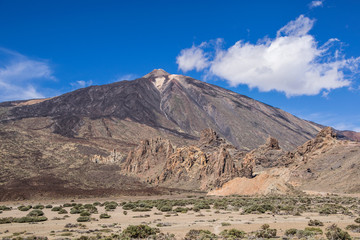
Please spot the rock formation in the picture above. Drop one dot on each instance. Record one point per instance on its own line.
(205, 166)
(266, 156)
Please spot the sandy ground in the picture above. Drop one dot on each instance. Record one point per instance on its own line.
(178, 225)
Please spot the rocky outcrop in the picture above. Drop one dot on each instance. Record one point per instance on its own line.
(148, 158)
(206, 166)
(323, 164)
(266, 156)
(326, 164)
(323, 142)
(113, 158)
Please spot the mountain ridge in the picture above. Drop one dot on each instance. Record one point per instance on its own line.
(174, 103)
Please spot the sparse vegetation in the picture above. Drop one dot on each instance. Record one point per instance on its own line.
(315, 223)
(104, 215)
(56, 209)
(5, 208)
(83, 219)
(266, 232)
(199, 234)
(219, 208)
(224, 224)
(232, 234)
(39, 206)
(35, 213)
(354, 228)
(139, 231)
(24, 208)
(336, 233)
(62, 211)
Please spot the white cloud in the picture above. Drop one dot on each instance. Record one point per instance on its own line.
(129, 76)
(81, 84)
(292, 62)
(192, 58)
(315, 4)
(18, 75)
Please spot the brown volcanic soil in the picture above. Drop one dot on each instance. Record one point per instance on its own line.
(43, 165)
(272, 181)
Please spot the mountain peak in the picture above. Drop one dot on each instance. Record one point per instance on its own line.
(157, 73)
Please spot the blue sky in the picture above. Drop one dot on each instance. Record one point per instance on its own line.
(300, 56)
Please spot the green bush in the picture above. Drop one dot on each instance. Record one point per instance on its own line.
(315, 223)
(266, 232)
(6, 220)
(110, 205)
(56, 209)
(62, 211)
(196, 209)
(75, 210)
(24, 208)
(104, 215)
(357, 220)
(85, 214)
(303, 234)
(181, 209)
(48, 206)
(128, 206)
(314, 230)
(259, 208)
(166, 208)
(202, 205)
(336, 233)
(327, 211)
(35, 213)
(39, 206)
(224, 224)
(291, 232)
(232, 234)
(83, 219)
(199, 234)
(5, 208)
(354, 228)
(30, 219)
(140, 231)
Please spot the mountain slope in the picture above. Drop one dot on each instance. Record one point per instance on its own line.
(58, 141)
(173, 104)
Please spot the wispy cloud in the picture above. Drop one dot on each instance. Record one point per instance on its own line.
(339, 122)
(317, 3)
(19, 75)
(81, 84)
(129, 76)
(291, 63)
